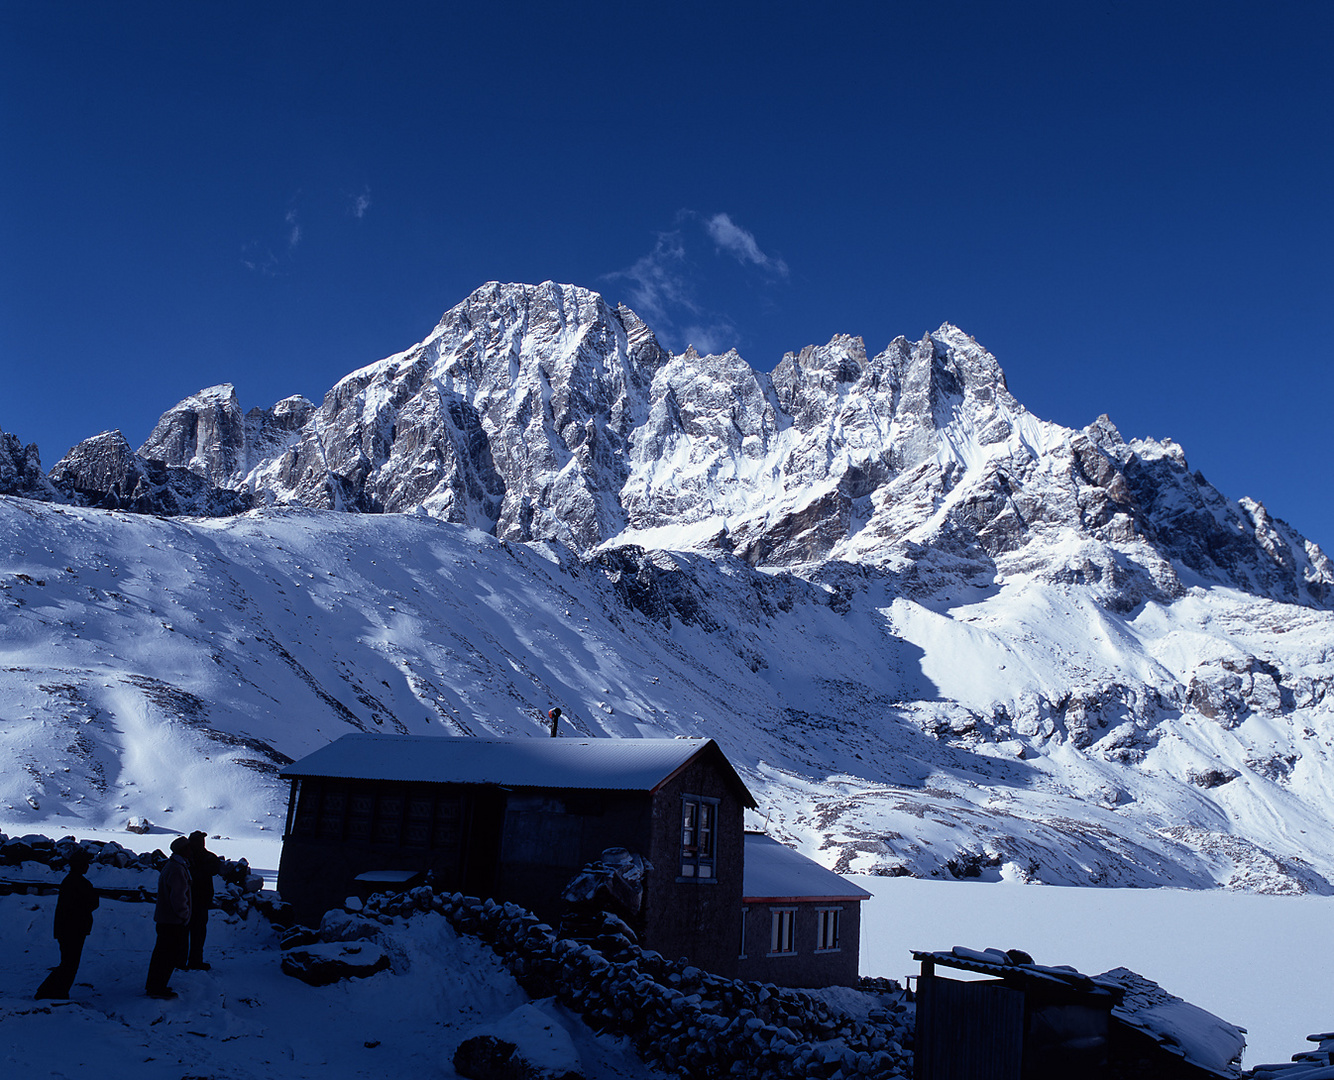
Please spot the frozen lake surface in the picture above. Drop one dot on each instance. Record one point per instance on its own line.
(1261, 962)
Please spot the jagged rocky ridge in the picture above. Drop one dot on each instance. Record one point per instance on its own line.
(938, 635)
(541, 412)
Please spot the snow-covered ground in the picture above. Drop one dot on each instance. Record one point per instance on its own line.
(245, 1019)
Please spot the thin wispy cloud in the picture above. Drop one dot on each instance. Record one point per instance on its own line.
(659, 285)
(272, 257)
(361, 203)
(740, 243)
(664, 285)
(261, 259)
(716, 338)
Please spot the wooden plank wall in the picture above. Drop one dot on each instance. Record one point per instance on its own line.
(968, 1030)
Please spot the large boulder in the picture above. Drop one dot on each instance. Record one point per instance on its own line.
(526, 1045)
(321, 965)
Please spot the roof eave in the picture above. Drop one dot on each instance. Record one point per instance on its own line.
(804, 899)
(733, 777)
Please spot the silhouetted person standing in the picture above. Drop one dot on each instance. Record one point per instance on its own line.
(203, 865)
(554, 717)
(172, 917)
(74, 922)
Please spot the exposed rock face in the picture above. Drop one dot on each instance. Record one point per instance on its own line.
(207, 435)
(514, 416)
(21, 471)
(204, 433)
(103, 471)
(537, 412)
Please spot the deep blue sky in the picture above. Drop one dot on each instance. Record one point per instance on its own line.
(1131, 205)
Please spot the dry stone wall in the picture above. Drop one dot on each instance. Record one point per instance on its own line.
(680, 1018)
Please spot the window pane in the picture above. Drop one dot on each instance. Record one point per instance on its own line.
(359, 810)
(828, 929)
(389, 819)
(331, 815)
(447, 824)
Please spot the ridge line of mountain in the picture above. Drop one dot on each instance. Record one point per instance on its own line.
(541, 412)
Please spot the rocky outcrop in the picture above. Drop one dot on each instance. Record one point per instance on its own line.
(21, 471)
(204, 434)
(324, 964)
(101, 471)
(207, 435)
(104, 472)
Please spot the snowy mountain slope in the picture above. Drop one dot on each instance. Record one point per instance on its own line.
(165, 668)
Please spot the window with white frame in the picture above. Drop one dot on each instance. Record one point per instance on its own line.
(783, 936)
(699, 827)
(826, 929)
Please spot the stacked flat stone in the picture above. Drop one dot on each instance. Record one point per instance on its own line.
(679, 1018)
(241, 890)
(1317, 1064)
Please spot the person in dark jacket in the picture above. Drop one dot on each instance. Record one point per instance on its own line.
(203, 865)
(172, 916)
(73, 923)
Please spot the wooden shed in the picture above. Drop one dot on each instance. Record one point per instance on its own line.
(514, 819)
(1027, 1021)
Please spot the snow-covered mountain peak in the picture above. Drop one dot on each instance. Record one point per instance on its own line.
(540, 411)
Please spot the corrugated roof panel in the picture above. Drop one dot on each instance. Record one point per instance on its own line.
(775, 871)
(606, 764)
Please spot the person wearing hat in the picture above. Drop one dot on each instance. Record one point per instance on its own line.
(203, 865)
(172, 917)
(73, 924)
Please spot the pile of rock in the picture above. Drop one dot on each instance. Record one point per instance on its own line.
(237, 892)
(679, 1017)
(1317, 1064)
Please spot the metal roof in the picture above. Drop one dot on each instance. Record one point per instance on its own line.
(775, 871)
(594, 764)
(994, 962)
